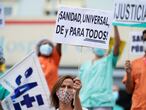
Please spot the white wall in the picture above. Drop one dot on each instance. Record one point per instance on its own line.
(31, 7)
(100, 4)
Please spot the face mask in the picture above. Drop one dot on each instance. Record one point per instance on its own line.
(46, 49)
(64, 95)
(144, 46)
(99, 52)
(115, 95)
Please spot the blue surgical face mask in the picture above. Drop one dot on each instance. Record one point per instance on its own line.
(99, 52)
(115, 95)
(46, 49)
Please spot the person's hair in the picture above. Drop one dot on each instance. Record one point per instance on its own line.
(44, 41)
(144, 32)
(2, 60)
(54, 98)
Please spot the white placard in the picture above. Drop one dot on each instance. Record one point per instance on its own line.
(84, 27)
(2, 22)
(27, 86)
(130, 11)
(136, 40)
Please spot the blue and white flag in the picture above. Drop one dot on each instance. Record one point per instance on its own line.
(27, 86)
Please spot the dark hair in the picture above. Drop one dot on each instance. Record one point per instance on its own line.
(54, 98)
(44, 41)
(144, 32)
(2, 60)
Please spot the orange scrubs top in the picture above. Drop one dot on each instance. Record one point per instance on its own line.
(50, 67)
(139, 80)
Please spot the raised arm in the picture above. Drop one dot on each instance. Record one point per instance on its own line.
(77, 87)
(58, 48)
(117, 41)
(128, 81)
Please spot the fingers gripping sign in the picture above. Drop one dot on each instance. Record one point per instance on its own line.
(77, 85)
(128, 66)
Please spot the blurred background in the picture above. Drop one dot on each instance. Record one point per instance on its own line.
(28, 21)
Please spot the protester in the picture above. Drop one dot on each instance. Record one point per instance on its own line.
(65, 93)
(97, 76)
(3, 92)
(116, 97)
(135, 81)
(49, 56)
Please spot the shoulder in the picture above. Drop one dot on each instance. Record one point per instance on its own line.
(111, 54)
(137, 61)
(111, 57)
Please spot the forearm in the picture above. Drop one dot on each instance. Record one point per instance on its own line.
(117, 41)
(77, 103)
(58, 48)
(129, 84)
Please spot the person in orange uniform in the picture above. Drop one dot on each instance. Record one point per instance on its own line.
(135, 79)
(49, 57)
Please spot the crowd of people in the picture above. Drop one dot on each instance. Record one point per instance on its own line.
(93, 89)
